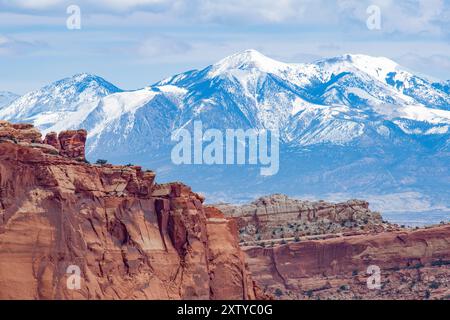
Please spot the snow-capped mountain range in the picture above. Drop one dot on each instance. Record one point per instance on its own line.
(373, 119)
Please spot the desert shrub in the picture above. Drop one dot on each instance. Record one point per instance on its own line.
(418, 265)
(101, 161)
(278, 292)
(440, 262)
(434, 285)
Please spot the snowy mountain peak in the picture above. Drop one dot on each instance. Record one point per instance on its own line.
(83, 81)
(61, 104)
(247, 60)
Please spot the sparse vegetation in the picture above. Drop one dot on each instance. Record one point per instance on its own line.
(440, 263)
(101, 161)
(278, 292)
(344, 287)
(434, 285)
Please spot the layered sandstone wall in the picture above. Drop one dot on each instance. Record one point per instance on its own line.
(130, 238)
(414, 264)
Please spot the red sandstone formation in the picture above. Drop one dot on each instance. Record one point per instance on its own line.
(134, 239)
(73, 143)
(414, 265)
(69, 144)
(51, 138)
(130, 238)
(24, 133)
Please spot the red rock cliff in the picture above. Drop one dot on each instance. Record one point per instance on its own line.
(130, 238)
(411, 263)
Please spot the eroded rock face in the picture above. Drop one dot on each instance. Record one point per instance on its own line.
(279, 217)
(412, 264)
(19, 132)
(51, 139)
(129, 237)
(73, 143)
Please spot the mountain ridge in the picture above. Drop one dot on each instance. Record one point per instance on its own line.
(336, 117)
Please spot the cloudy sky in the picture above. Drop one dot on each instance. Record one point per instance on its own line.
(137, 42)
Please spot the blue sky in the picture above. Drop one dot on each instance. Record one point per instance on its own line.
(137, 42)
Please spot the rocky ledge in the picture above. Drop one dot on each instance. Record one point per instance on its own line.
(126, 236)
(278, 218)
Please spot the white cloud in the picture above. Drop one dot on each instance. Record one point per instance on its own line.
(12, 46)
(31, 4)
(405, 17)
(436, 64)
(162, 46)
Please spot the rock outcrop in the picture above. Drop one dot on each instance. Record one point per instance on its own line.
(413, 264)
(69, 143)
(127, 237)
(73, 144)
(278, 217)
(24, 133)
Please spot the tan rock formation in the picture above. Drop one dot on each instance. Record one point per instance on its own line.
(278, 217)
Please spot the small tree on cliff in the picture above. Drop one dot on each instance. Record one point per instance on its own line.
(101, 161)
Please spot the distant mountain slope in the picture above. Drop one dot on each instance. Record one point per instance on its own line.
(6, 98)
(60, 105)
(350, 124)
